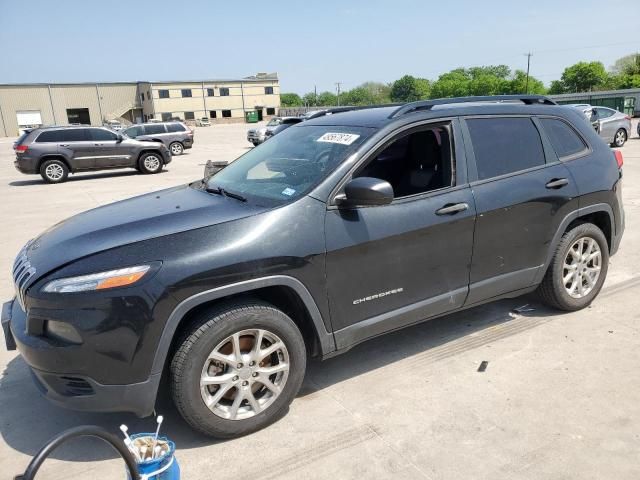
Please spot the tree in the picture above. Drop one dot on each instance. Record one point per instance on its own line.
(327, 99)
(518, 84)
(627, 65)
(378, 92)
(290, 100)
(451, 84)
(409, 89)
(310, 99)
(557, 87)
(584, 76)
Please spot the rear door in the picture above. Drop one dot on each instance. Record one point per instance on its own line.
(78, 147)
(155, 131)
(522, 193)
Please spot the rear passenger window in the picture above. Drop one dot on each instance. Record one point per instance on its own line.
(175, 127)
(505, 145)
(49, 136)
(74, 135)
(564, 139)
(154, 129)
(133, 132)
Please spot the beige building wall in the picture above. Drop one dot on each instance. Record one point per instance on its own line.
(14, 99)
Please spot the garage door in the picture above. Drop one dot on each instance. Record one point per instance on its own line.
(28, 118)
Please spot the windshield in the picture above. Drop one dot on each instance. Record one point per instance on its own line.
(290, 164)
(273, 122)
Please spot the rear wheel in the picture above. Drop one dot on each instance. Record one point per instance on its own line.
(238, 370)
(578, 269)
(150, 163)
(176, 148)
(54, 171)
(620, 138)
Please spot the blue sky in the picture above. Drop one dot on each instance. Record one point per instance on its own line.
(307, 43)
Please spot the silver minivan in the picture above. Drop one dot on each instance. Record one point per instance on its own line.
(175, 135)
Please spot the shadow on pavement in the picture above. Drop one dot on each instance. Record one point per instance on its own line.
(28, 421)
(80, 177)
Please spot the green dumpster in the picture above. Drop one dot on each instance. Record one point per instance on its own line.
(252, 117)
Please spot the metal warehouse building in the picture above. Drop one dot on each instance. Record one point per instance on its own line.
(222, 100)
(627, 101)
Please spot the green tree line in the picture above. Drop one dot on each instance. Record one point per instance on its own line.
(487, 80)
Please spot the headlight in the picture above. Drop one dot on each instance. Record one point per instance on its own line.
(97, 281)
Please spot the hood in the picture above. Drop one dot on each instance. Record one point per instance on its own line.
(133, 220)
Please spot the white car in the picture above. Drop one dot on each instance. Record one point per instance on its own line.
(203, 122)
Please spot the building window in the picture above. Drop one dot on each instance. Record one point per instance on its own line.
(166, 116)
(271, 111)
(78, 116)
(226, 113)
(268, 90)
(163, 93)
(224, 92)
(142, 96)
(209, 92)
(186, 92)
(213, 114)
(189, 116)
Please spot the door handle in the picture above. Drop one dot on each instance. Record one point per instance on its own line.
(452, 208)
(557, 183)
(64, 144)
(98, 144)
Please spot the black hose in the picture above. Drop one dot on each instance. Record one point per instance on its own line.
(84, 431)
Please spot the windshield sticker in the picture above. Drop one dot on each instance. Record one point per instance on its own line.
(288, 192)
(341, 138)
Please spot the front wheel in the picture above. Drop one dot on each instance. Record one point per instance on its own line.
(150, 163)
(238, 370)
(578, 269)
(620, 138)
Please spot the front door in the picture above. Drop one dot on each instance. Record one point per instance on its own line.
(106, 149)
(393, 265)
(521, 198)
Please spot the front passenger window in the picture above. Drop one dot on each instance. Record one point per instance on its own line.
(415, 163)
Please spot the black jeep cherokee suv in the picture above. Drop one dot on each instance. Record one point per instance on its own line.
(338, 229)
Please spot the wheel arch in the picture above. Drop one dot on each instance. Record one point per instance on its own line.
(284, 292)
(63, 159)
(600, 214)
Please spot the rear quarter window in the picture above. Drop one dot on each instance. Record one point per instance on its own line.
(563, 138)
(505, 145)
(154, 129)
(175, 127)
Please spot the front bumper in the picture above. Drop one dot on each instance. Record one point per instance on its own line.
(61, 383)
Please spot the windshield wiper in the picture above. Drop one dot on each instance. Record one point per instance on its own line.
(226, 193)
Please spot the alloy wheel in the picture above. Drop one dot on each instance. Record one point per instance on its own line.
(152, 163)
(582, 266)
(244, 374)
(176, 149)
(54, 172)
(620, 138)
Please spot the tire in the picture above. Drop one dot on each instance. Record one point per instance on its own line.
(567, 296)
(150, 162)
(255, 144)
(193, 363)
(176, 148)
(620, 138)
(54, 171)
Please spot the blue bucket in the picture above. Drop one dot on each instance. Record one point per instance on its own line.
(162, 468)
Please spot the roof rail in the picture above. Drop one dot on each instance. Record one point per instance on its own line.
(332, 110)
(428, 104)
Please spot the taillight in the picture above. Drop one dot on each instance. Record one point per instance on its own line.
(619, 159)
(21, 148)
(627, 117)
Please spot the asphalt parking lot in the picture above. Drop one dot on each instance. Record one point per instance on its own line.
(559, 397)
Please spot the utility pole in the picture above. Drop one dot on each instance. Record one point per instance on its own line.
(526, 87)
(315, 96)
(338, 91)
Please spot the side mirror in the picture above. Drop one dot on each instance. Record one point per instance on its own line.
(120, 138)
(366, 191)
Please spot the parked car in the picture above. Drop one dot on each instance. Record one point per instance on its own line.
(114, 125)
(286, 123)
(258, 135)
(613, 126)
(175, 135)
(203, 122)
(54, 152)
(335, 231)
